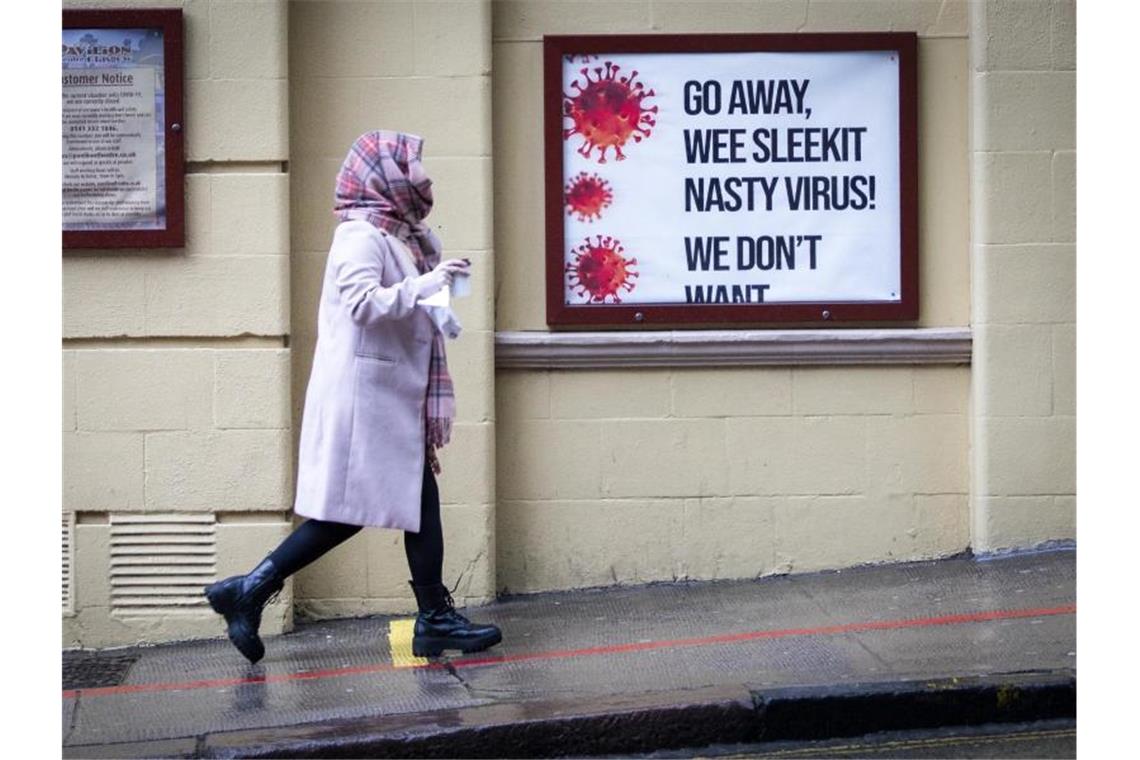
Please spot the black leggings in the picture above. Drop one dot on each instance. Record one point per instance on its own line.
(313, 538)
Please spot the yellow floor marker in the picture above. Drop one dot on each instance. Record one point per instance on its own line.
(400, 644)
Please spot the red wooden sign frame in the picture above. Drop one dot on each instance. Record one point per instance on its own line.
(169, 20)
(656, 316)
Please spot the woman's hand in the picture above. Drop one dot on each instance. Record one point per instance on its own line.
(433, 281)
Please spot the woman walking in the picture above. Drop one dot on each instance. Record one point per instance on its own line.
(379, 401)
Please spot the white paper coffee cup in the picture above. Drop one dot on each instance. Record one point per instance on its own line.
(460, 285)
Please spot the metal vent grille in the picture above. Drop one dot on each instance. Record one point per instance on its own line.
(68, 562)
(159, 563)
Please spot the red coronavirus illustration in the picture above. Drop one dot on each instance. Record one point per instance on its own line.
(600, 270)
(608, 111)
(587, 195)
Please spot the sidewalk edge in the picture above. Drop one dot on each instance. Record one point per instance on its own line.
(627, 724)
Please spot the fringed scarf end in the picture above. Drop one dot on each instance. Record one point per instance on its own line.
(439, 431)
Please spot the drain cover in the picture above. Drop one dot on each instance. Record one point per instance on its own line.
(89, 670)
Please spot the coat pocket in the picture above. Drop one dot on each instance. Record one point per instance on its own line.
(376, 374)
(376, 358)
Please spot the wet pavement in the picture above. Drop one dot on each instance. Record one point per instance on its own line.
(948, 619)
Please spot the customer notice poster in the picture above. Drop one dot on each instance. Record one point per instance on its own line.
(113, 130)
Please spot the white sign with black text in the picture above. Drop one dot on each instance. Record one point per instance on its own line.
(727, 178)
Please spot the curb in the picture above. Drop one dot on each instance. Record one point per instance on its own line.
(807, 713)
(643, 723)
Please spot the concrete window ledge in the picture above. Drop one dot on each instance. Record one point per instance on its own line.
(710, 348)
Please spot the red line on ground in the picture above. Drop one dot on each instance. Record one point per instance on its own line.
(726, 638)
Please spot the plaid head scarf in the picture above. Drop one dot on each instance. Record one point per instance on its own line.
(383, 182)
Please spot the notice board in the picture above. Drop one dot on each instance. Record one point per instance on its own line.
(122, 129)
(701, 179)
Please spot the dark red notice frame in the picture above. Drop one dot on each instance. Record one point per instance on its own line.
(656, 316)
(170, 21)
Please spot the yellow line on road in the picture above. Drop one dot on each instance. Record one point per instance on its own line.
(400, 644)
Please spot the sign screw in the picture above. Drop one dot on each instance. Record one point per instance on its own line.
(175, 127)
(826, 314)
(639, 317)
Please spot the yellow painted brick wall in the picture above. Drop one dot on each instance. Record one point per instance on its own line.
(635, 475)
(420, 67)
(175, 361)
(1024, 264)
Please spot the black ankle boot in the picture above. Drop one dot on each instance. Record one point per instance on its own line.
(439, 627)
(241, 599)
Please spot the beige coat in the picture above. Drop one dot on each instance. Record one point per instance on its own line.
(362, 447)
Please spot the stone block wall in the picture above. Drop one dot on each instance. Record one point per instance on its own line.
(1023, 142)
(176, 361)
(646, 474)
